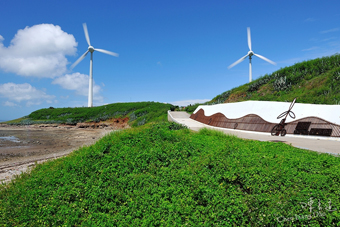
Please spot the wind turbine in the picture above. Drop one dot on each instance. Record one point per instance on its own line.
(250, 54)
(91, 49)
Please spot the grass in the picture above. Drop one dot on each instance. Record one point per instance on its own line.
(315, 81)
(162, 174)
(139, 113)
(165, 175)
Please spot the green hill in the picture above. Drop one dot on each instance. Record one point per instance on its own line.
(315, 81)
(138, 113)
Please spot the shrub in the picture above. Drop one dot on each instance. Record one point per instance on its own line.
(175, 126)
(258, 83)
(192, 108)
(281, 84)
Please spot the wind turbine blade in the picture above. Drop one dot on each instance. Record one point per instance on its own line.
(86, 34)
(79, 60)
(238, 61)
(107, 52)
(249, 38)
(266, 59)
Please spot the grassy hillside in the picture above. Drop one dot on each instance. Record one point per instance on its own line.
(162, 175)
(139, 113)
(316, 81)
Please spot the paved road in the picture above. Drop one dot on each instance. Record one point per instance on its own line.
(314, 143)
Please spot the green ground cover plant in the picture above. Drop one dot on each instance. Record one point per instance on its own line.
(315, 81)
(162, 174)
(166, 175)
(139, 113)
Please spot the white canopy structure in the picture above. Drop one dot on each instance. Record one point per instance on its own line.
(270, 110)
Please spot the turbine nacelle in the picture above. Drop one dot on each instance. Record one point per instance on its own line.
(250, 53)
(91, 49)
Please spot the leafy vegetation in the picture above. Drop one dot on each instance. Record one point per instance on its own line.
(192, 108)
(315, 81)
(164, 175)
(139, 113)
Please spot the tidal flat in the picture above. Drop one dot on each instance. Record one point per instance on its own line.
(23, 147)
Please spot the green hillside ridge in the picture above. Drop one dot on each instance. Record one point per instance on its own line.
(315, 81)
(163, 174)
(138, 113)
(166, 175)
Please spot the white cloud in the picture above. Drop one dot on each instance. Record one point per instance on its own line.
(38, 51)
(24, 92)
(309, 19)
(79, 83)
(330, 30)
(7, 103)
(309, 49)
(331, 38)
(188, 102)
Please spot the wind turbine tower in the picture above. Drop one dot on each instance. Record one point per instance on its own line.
(91, 49)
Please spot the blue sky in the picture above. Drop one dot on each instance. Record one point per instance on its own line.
(169, 51)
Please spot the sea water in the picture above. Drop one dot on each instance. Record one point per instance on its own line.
(9, 138)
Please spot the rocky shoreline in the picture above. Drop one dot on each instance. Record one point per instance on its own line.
(41, 142)
(112, 124)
